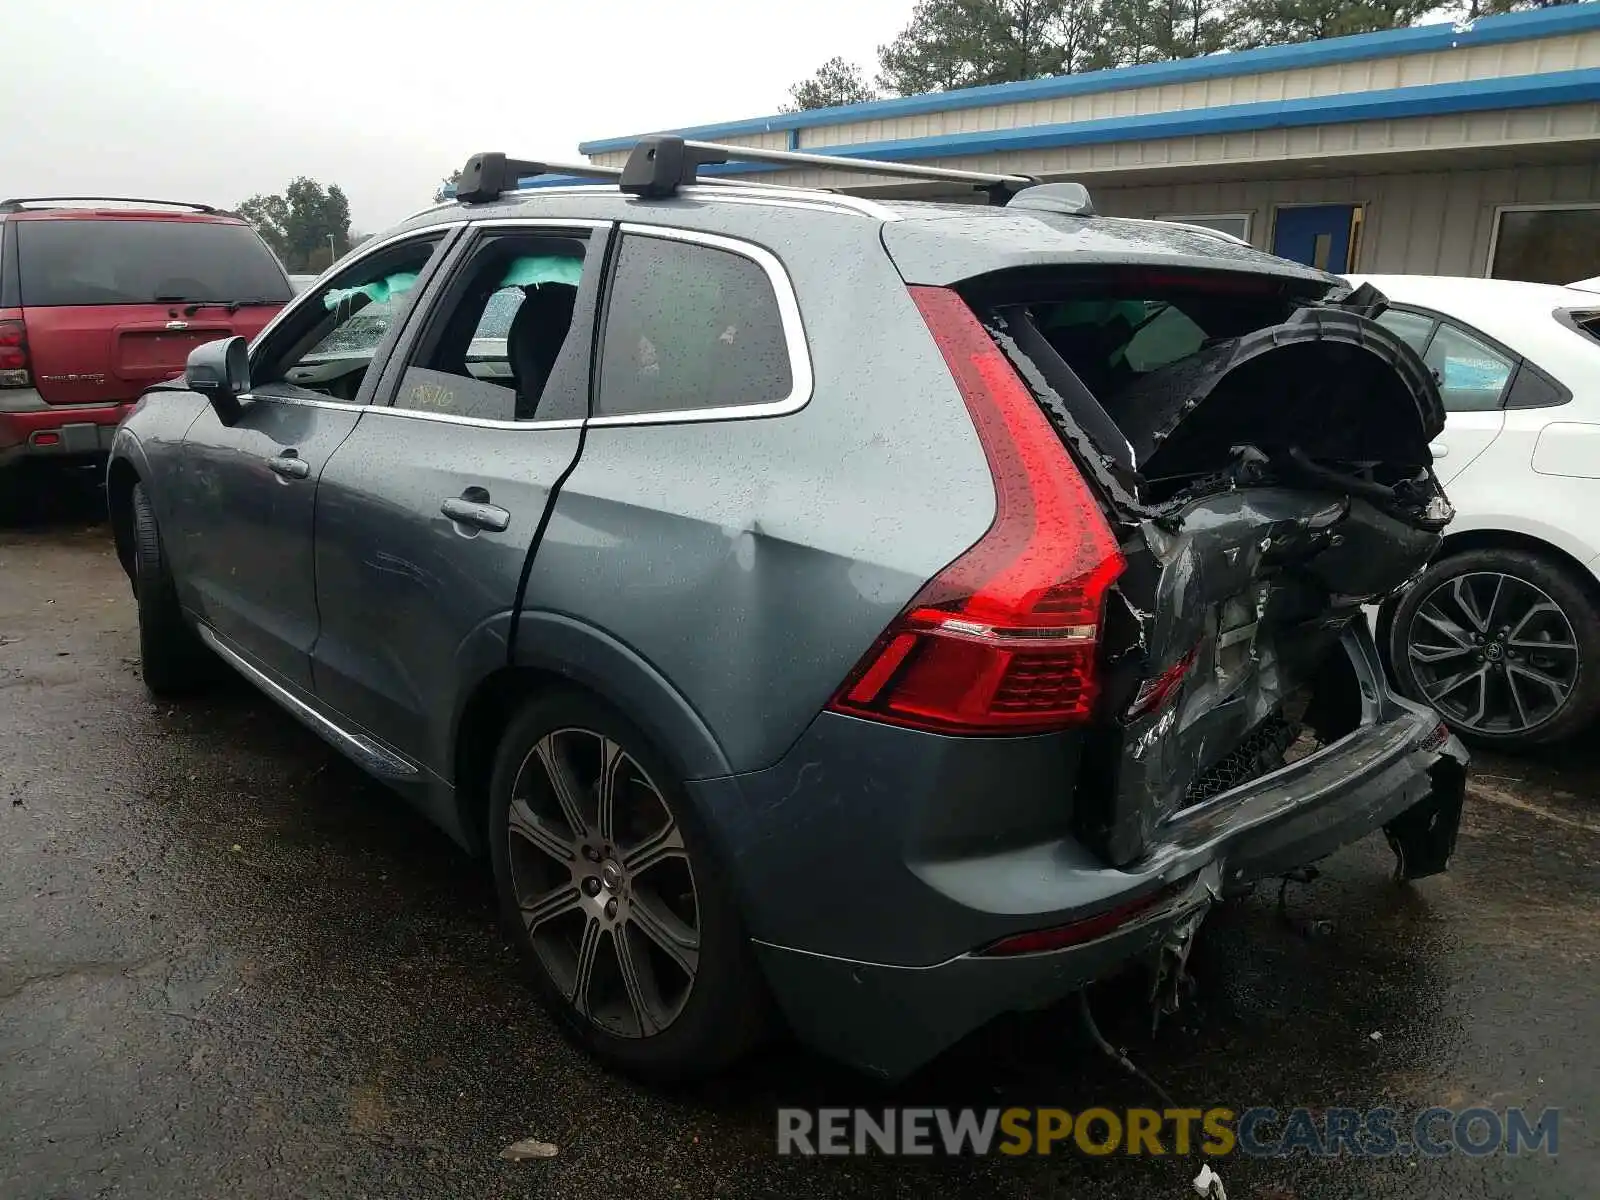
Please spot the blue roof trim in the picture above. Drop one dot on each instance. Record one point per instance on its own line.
(544, 181)
(1523, 91)
(1512, 27)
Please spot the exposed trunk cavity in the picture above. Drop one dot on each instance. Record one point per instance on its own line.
(1266, 456)
(1202, 385)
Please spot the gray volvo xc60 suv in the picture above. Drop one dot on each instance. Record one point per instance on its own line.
(875, 616)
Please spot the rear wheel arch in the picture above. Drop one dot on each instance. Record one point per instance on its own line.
(485, 716)
(689, 1032)
(556, 651)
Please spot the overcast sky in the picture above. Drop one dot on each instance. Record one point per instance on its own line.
(214, 102)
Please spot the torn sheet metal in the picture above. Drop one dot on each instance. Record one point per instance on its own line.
(1170, 982)
(1256, 588)
(1424, 836)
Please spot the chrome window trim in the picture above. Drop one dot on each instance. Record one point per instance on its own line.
(305, 402)
(413, 414)
(794, 336)
(478, 422)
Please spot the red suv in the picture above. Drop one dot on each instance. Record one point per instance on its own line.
(99, 298)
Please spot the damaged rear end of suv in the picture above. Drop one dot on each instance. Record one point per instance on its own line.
(1151, 683)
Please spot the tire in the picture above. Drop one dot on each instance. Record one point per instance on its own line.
(673, 992)
(172, 658)
(1504, 643)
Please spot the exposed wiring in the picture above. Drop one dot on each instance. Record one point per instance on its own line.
(1118, 1056)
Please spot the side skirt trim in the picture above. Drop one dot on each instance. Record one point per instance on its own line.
(367, 752)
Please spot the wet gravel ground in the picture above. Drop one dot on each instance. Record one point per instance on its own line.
(230, 966)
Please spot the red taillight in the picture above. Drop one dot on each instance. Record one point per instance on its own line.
(1004, 639)
(1059, 937)
(1154, 693)
(14, 355)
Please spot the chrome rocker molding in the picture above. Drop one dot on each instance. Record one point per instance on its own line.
(367, 753)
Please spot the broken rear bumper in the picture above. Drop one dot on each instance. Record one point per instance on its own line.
(1402, 773)
(1309, 809)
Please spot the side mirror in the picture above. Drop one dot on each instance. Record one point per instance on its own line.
(220, 371)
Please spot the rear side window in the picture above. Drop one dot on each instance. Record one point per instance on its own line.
(1472, 377)
(80, 261)
(1587, 324)
(1411, 328)
(499, 345)
(690, 327)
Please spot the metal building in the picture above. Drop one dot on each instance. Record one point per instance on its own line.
(1458, 150)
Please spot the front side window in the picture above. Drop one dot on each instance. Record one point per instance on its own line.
(85, 260)
(690, 327)
(499, 344)
(1471, 376)
(326, 345)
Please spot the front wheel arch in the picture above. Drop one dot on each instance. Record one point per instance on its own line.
(121, 478)
(1488, 539)
(1562, 579)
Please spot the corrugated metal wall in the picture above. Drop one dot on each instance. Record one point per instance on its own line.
(1565, 53)
(1437, 223)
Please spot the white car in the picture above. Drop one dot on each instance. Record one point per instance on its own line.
(1502, 632)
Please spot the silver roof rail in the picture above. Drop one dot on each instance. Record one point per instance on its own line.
(17, 204)
(660, 164)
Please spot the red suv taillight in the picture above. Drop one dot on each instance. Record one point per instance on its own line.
(1004, 639)
(14, 368)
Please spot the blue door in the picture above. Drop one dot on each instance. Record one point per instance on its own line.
(1317, 235)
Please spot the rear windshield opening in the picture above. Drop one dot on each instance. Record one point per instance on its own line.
(1110, 342)
(1187, 384)
(81, 261)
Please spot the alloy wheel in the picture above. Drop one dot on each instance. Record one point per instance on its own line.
(1493, 653)
(604, 883)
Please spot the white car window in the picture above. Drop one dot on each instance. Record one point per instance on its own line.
(1410, 328)
(1472, 377)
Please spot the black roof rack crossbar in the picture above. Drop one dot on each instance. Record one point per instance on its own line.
(660, 164)
(18, 203)
(489, 175)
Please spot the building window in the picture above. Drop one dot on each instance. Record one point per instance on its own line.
(1548, 244)
(1236, 224)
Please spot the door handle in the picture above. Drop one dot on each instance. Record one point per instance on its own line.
(1438, 449)
(472, 508)
(289, 465)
